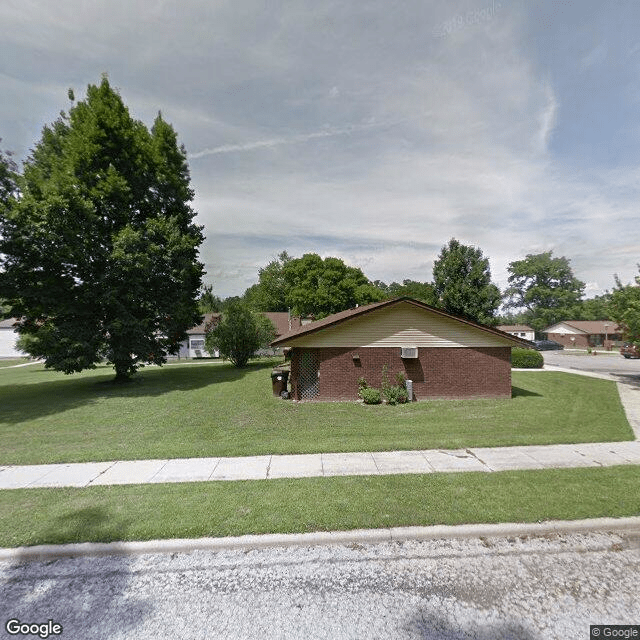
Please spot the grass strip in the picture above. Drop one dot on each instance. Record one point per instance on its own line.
(193, 510)
(212, 409)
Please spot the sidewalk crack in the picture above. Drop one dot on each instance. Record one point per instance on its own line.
(269, 467)
(113, 464)
(480, 460)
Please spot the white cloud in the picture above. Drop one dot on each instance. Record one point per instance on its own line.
(348, 128)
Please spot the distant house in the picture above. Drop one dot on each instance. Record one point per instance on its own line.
(518, 330)
(194, 347)
(581, 334)
(284, 322)
(443, 355)
(8, 339)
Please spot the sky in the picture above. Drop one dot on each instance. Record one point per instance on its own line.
(369, 130)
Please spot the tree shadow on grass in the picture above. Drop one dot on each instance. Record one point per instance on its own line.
(89, 596)
(24, 402)
(518, 392)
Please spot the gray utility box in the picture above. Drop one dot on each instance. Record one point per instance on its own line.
(409, 385)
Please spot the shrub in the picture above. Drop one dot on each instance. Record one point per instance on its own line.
(370, 396)
(526, 359)
(394, 394)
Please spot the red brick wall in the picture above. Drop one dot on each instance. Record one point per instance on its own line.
(436, 373)
(580, 342)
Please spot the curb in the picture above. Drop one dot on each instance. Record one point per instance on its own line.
(364, 536)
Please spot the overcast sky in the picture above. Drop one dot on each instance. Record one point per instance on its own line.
(373, 131)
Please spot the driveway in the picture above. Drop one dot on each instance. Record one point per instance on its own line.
(610, 362)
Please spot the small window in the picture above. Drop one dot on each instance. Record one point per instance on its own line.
(408, 352)
(197, 344)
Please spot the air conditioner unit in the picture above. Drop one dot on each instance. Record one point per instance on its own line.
(408, 352)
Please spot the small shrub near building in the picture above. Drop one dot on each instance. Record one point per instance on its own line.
(371, 396)
(393, 394)
(526, 359)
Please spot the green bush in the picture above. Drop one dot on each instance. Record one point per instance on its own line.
(526, 359)
(396, 395)
(370, 396)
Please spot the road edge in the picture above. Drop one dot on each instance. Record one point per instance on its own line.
(361, 536)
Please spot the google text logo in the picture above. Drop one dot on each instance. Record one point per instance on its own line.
(464, 20)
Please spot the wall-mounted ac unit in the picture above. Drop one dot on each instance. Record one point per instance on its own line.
(408, 352)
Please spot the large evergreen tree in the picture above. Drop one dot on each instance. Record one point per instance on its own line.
(462, 283)
(99, 255)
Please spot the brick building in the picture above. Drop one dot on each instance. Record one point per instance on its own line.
(443, 355)
(582, 334)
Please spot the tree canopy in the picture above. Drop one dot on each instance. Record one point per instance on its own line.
(624, 309)
(8, 179)
(462, 283)
(544, 287)
(422, 291)
(319, 287)
(99, 255)
(270, 293)
(310, 286)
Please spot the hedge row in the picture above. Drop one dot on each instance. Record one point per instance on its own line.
(526, 358)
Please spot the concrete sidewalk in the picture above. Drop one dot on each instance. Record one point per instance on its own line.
(268, 467)
(488, 459)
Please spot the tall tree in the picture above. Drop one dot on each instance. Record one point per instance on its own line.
(207, 301)
(8, 190)
(422, 291)
(8, 179)
(596, 308)
(317, 287)
(462, 283)
(270, 293)
(544, 287)
(624, 309)
(100, 253)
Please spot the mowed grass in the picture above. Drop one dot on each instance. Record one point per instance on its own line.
(193, 510)
(213, 409)
(12, 362)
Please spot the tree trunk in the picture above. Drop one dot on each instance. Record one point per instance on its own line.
(123, 372)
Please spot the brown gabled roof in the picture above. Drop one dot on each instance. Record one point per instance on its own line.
(514, 327)
(343, 316)
(200, 328)
(591, 326)
(282, 321)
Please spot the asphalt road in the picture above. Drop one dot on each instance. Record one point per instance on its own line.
(604, 362)
(487, 589)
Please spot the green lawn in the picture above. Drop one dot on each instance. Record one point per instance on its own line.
(10, 362)
(210, 409)
(192, 510)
